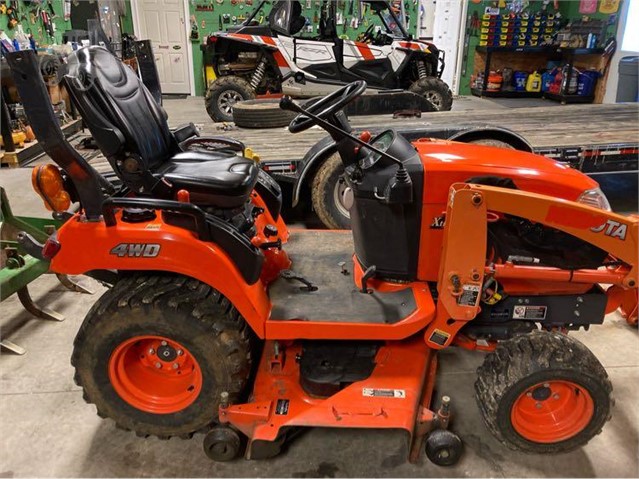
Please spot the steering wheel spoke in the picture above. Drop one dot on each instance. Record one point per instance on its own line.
(328, 107)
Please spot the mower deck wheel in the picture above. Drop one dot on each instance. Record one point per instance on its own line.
(155, 352)
(543, 393)
(444, 447)
(222, 444)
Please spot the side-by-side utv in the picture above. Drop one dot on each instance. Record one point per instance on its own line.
(221, 319)
(270, 53)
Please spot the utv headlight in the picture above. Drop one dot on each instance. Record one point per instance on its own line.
(595, 198)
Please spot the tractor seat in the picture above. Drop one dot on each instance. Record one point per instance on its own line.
(223, 180)
(132, 132)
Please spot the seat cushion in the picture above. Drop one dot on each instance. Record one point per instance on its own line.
(219, 179)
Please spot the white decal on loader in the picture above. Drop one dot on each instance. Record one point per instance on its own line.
(136, 250)
(612, 228)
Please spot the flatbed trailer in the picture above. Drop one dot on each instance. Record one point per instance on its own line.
(600, 140)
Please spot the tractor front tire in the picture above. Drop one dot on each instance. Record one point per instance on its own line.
(155, 352)
(543, 393)
(223, 93)
(434, 90)
(327, 191)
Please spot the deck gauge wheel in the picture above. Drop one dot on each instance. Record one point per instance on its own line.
(222, 444)
(444, 447)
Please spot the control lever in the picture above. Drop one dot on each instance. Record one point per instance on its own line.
(368, 274)
(292, 275)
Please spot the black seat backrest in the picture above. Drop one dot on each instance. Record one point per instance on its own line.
(127, 124)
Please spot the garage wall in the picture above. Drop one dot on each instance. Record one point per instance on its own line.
(569, 9)
(613, 75)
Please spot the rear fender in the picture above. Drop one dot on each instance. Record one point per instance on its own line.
(158, 246)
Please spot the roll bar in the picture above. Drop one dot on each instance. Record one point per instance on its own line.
(37, 106)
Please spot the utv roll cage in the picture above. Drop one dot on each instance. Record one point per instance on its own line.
(286, 17)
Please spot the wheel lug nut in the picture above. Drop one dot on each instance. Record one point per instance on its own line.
(180, 352)
(163, 343)
(555, 396)
(151, 352)
(529, 394)
(176, 365)
(158, 365)
(546, 385)
(538, 405)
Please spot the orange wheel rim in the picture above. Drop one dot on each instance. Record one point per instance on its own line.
(155, 374)
(552, 411)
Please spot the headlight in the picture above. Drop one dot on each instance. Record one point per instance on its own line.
(595, 198)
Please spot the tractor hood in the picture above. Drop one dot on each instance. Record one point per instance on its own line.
(445, 162)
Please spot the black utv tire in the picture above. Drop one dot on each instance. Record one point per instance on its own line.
(534, 367)
(325, 197)
(264, 113)
(435, 90)
(184, 310)
(222, 93)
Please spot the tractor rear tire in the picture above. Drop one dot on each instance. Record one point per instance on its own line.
(155, 352)
(435, 90)
(262, 113)
(326, 188)
(543, 393)
(223, 93)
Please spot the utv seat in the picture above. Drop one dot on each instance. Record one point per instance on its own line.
(131, 130)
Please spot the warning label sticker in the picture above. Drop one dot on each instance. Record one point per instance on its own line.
(529, 312)
(470, 293)
(439, 337)
(385, 393)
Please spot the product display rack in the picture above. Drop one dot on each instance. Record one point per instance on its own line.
(568, 54)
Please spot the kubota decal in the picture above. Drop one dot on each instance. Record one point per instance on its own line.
(136, 250)
(612, 228)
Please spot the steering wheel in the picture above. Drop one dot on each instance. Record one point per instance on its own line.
(324, 108)
(368, 34)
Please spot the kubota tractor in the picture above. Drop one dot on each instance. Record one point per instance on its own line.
(220, 319)
(255, 58)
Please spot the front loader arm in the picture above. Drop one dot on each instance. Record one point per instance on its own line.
(463, 264)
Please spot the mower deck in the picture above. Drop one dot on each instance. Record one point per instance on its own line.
(337, 299)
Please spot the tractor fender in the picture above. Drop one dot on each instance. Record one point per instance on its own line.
(163, 247)
(326, 146)
(515, 140)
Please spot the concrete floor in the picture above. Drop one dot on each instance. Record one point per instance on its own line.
(48, 430)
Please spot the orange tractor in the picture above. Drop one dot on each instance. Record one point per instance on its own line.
(221, 319)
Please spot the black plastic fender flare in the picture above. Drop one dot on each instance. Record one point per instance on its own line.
(465, 134)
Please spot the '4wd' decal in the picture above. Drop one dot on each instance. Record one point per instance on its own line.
(136, 250)
(611, 228)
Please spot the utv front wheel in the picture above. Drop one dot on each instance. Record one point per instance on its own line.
(543, 393)
(434, 90)
(155, 352)
(330, 195)
(225, 92)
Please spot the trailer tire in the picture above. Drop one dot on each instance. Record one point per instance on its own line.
(262, 113)
(434, 90)
(126, 351)
(222, 93)
(326, 191)
(493, 143)
(543, 393)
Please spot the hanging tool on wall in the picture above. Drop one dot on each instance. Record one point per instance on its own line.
(12, 13)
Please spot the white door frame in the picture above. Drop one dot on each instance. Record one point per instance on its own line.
(187, 31)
